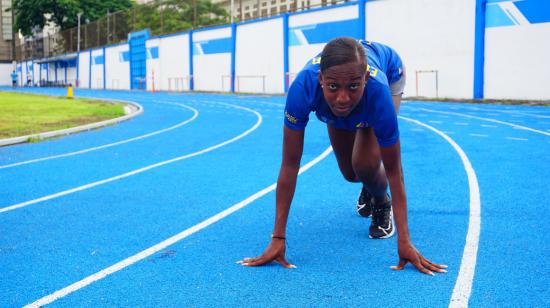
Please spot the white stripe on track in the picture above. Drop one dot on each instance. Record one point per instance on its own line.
(134, 172)
(509, 112)
(488, 120)
(463, 286)
(195, 114)
(168, 242)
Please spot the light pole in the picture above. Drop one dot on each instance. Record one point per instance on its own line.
(13, 55)
(78, 35)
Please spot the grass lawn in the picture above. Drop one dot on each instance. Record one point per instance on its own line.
(25, 114)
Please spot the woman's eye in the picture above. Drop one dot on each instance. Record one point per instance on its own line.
(332, 86)
(354, 86)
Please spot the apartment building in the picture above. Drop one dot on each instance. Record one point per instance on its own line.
(6, 32)
(250, 9)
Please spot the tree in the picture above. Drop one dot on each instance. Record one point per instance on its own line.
(34, 15)
(168, 16)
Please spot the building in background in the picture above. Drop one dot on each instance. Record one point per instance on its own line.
(248, 9)
(6, 33)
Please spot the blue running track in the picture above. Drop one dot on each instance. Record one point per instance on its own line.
(141, 222)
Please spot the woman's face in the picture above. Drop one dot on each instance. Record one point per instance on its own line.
(343, 86)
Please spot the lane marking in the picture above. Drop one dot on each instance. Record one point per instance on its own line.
(488, 120)
(479, 135)
(168, 242)
(461, 123)
(435, 122)
(514, 138)
(494, 112)
(487, 125)
(463, 286)
(195, 115)
(140, 170)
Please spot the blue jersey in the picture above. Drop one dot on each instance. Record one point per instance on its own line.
(374, 110)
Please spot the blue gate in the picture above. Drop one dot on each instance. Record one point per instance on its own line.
(138, 59)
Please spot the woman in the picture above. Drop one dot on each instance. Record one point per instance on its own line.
(355, 87)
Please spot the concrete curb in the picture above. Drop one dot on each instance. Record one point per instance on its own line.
(131, 109)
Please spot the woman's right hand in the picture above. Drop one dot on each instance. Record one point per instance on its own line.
(274, 252)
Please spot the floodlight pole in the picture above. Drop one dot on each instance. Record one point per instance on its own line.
(13, 54)
(78, 35)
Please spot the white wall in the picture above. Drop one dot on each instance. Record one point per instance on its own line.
(36, 73)
(118, 67)
(44, 72)
(84, 69)
(5, 74)
(429, 35)
(172, 62)
(71, 75)
(60, 73)
(517, 64)
(260, 53)
(29, 67)
(22, 75)
(153, 66)
(51, 72)
(301, 25)
(97, 70)
(212, 66)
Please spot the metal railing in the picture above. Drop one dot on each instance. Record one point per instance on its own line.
(115, 27)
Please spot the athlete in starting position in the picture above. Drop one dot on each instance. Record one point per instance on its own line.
(355, 87)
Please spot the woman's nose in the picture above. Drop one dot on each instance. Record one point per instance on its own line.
(342, 97)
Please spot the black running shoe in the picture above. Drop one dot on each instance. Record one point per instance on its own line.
(382, 220)
(364, 203)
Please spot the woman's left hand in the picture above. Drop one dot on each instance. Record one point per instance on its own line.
(408, 253)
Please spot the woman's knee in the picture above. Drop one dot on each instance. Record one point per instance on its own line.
(366, 168)
(350, 176)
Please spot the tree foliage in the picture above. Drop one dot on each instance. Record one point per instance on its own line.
(168, 16)
(34, 15)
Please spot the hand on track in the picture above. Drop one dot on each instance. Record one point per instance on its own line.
(408, 253)
(274, 252)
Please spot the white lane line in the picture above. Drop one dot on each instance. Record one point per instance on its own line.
(164, 244)
(462, 123)
(525, 114)
(463, 286)
(137, 171)
(479, 135)
(435, 122)
(195, 115)
(488, 120)
(514, 138)
(487, 125)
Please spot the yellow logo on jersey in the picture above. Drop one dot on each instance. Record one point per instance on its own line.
(290, 118)
(316, 60)
(373, 71)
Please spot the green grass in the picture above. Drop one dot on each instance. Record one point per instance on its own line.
(26, 114)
